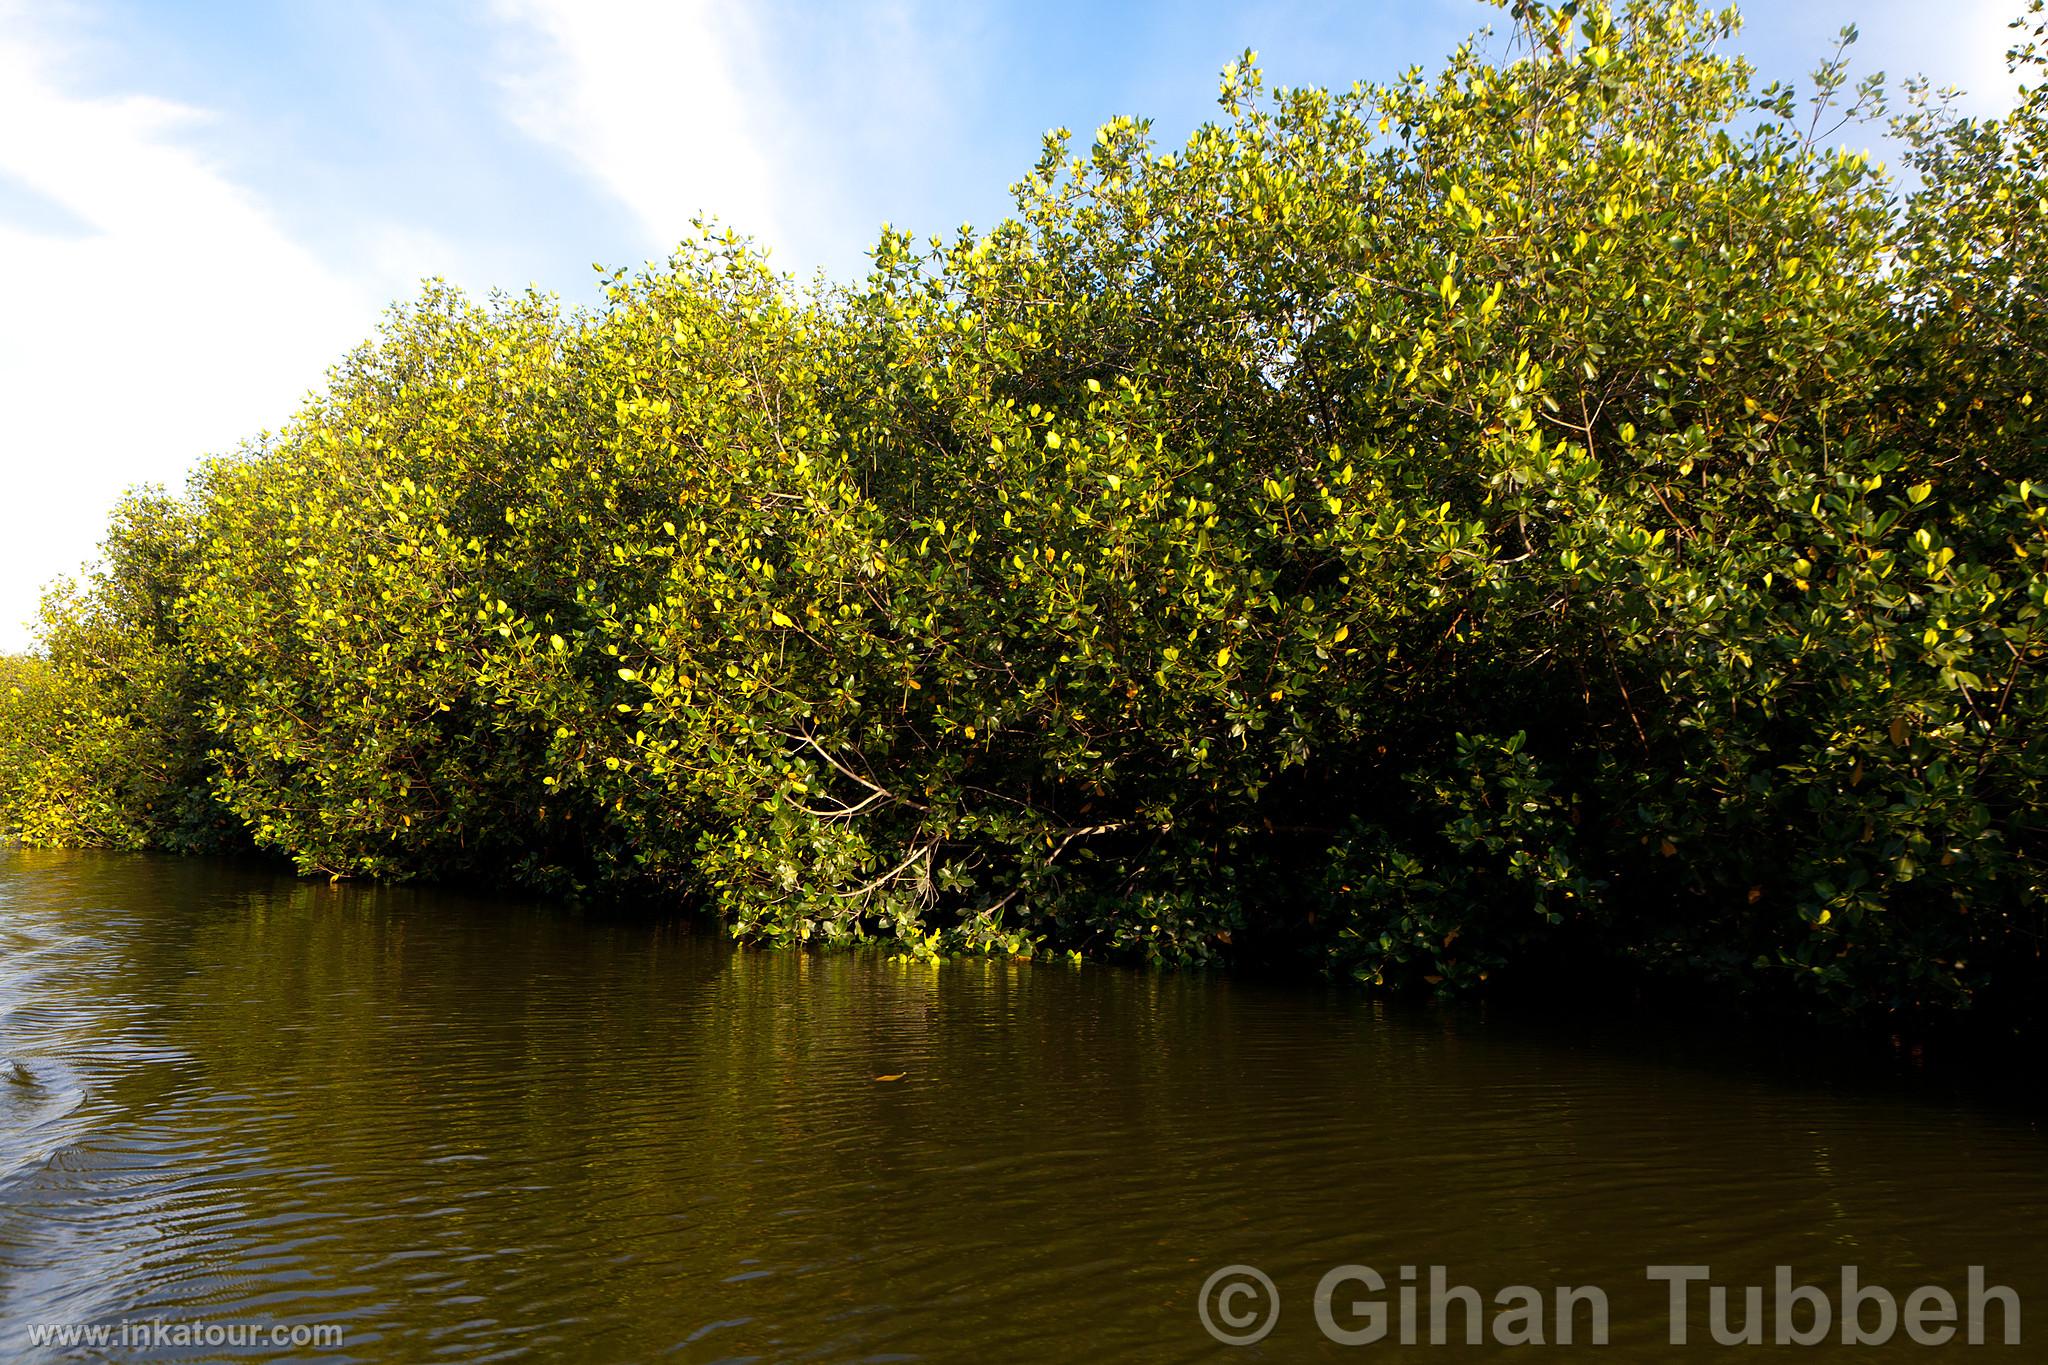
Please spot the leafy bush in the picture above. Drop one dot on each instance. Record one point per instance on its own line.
(100, 744)
(1560, 507)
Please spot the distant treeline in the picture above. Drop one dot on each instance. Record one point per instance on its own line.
(1556, 511)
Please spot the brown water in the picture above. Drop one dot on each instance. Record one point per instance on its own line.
(459, 1129)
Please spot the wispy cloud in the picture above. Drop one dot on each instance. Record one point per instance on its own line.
(803, 126)
(162, 315)
(662, 105)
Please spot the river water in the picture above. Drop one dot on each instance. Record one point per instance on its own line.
(462, 1129)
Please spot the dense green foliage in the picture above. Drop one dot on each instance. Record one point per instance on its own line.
(1558, 509)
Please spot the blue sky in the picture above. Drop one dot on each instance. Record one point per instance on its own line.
(203, 205)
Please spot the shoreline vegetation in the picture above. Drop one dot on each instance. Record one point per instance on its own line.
(1557, 517)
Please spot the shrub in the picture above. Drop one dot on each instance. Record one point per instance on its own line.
(1560, 506)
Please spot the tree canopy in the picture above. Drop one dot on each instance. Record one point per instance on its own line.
(1561, 505)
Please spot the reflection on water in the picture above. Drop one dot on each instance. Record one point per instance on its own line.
(466, 1129)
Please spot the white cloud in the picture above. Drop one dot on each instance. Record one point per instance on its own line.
(802, 126)
(180, 321)
(1973, 41)
(662, 104)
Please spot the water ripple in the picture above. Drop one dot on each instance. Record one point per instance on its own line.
(467, 1130)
